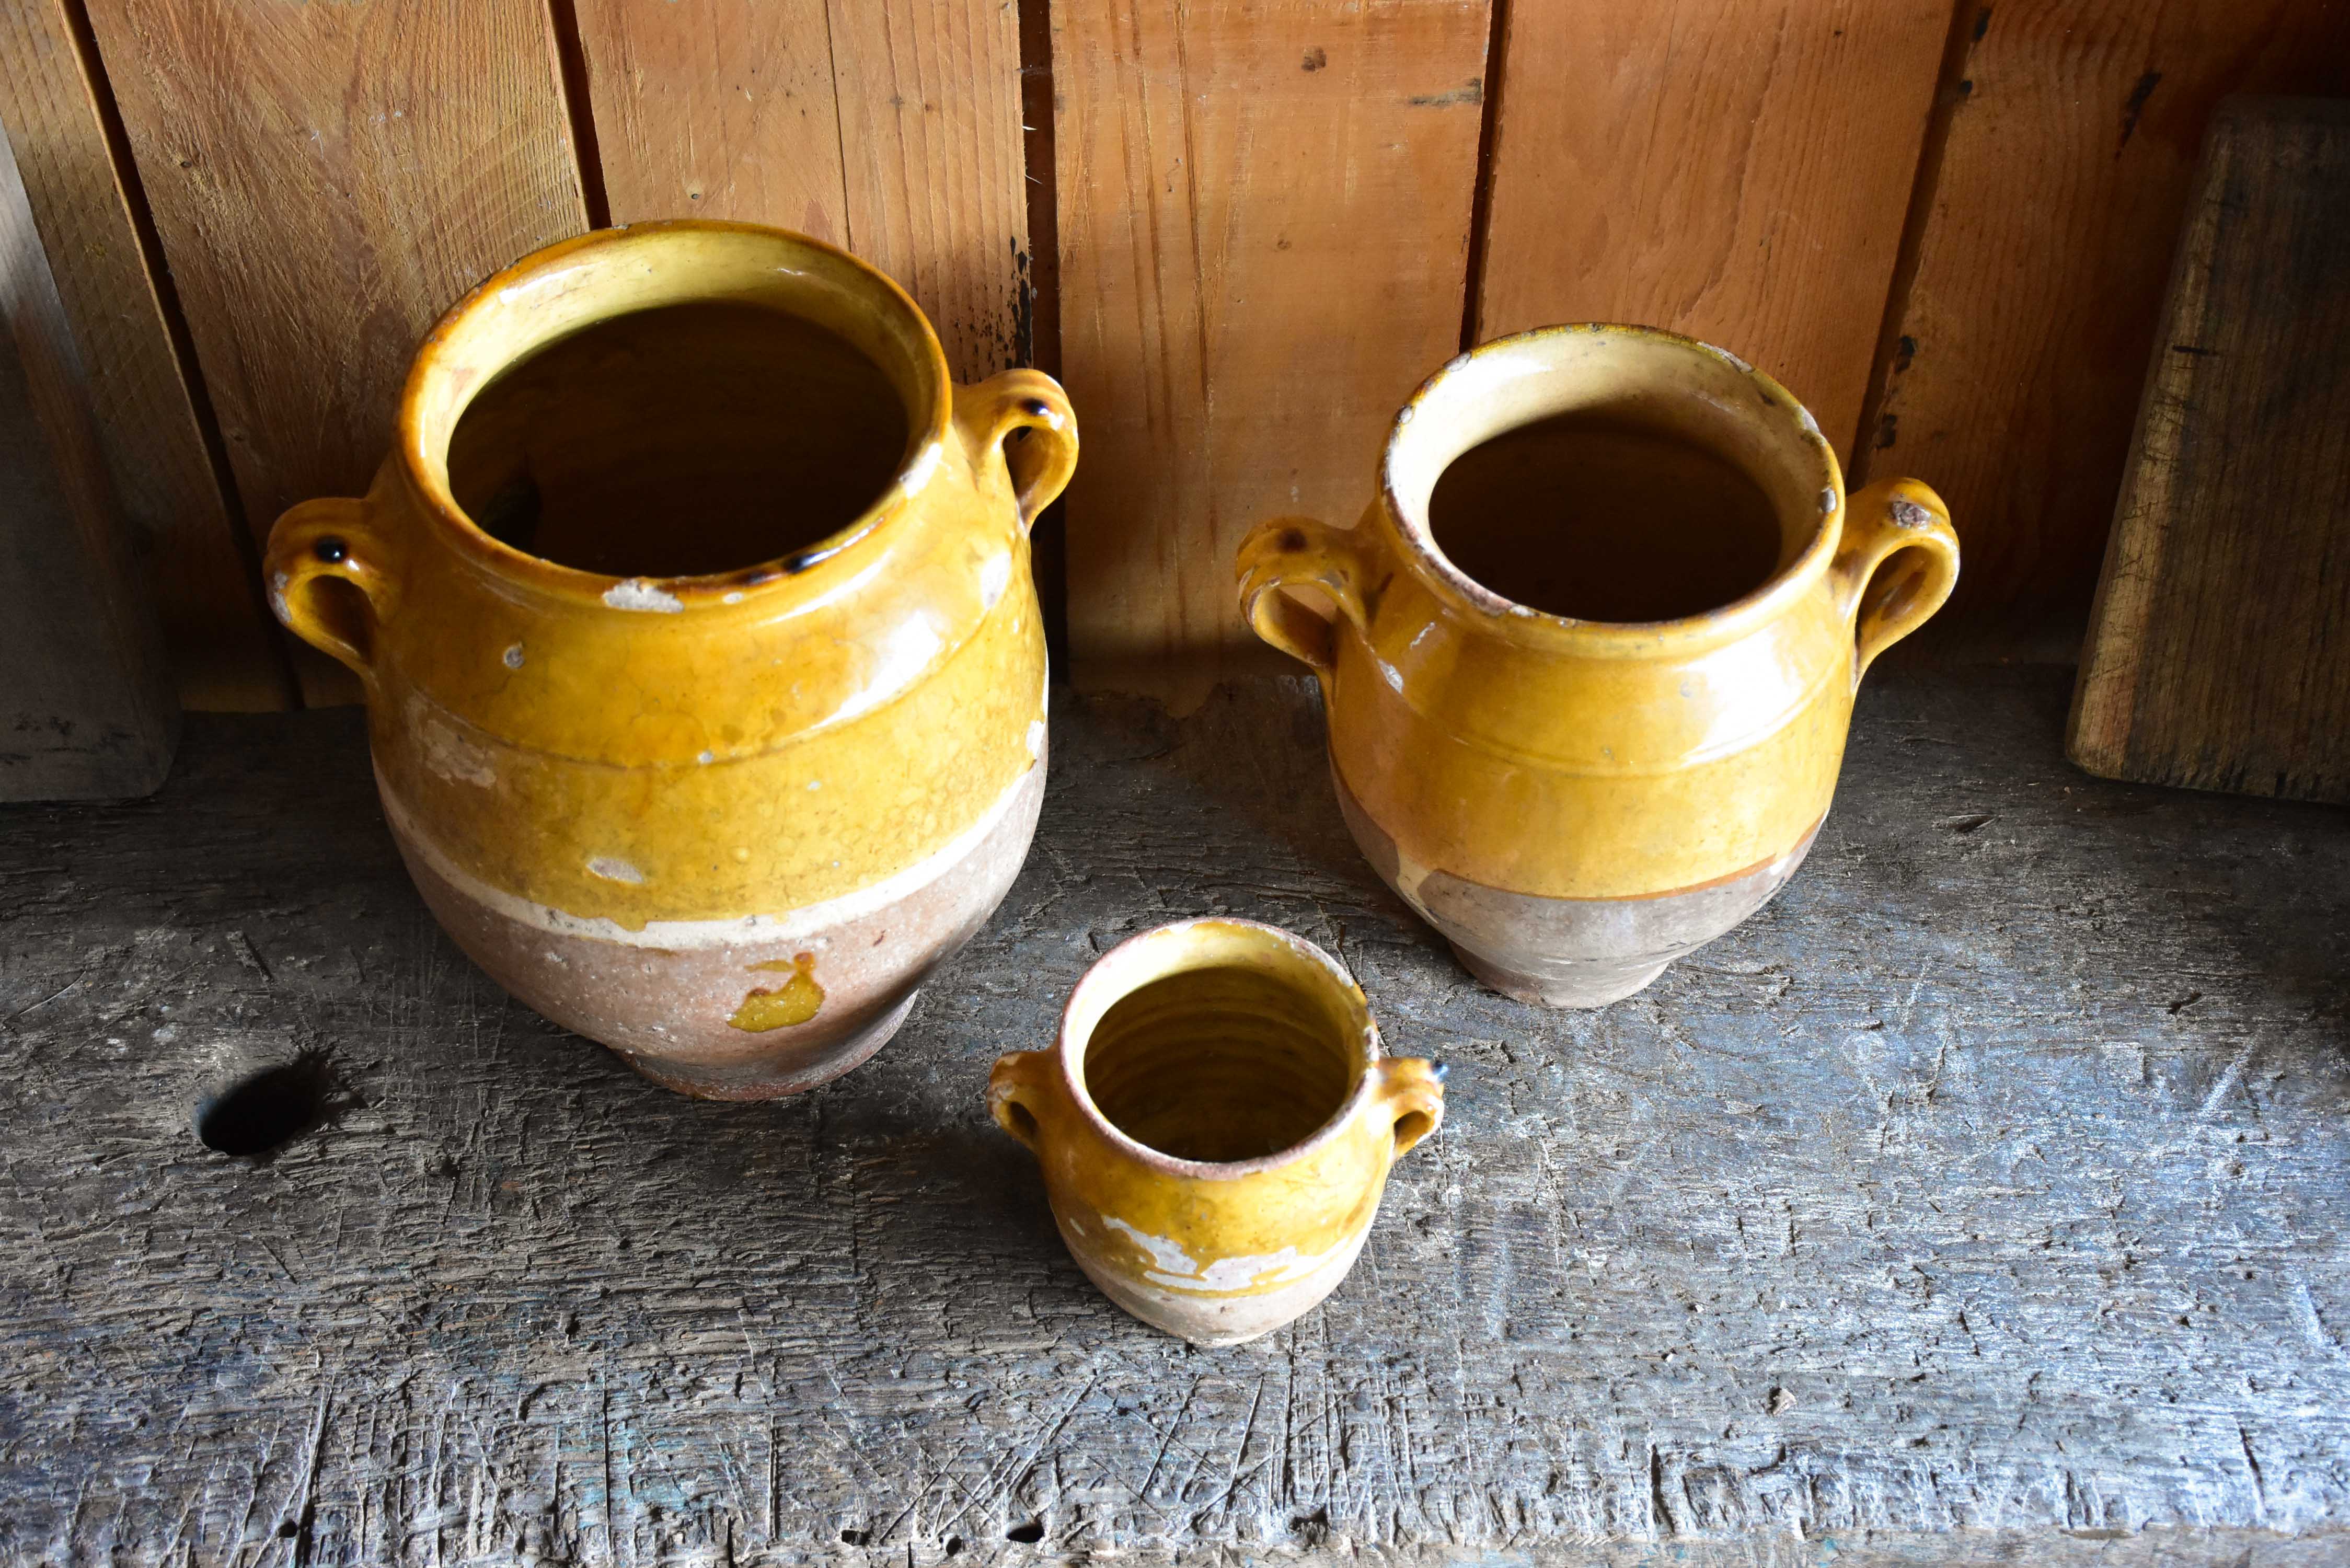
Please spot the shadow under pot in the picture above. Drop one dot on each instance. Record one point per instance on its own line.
(1216, 1124)
(704, 671)
(1596, 647)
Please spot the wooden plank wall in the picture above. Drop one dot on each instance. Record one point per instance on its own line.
(1943, 225)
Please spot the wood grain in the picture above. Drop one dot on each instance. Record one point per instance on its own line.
(891, 129)
(1976, 1203)
(86, 704)
(1735, 169)
(1264, 215)
(325, 179)
(717, 108)
(223, 647)
(2026, 337)
(2220, 652)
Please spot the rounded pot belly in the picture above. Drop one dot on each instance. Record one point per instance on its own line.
(1203, 1317)
(737, 1009)
(1568, 952)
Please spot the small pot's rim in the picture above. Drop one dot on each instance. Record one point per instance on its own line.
(927, 435)
(1070, 1056)
(1522, 623)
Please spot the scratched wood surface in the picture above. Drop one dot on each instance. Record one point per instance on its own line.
(2014, 378)
(327, 180)
(223, 645)
(1736, 170)
(892, 129)
(1264, 219)
(1978, 1201)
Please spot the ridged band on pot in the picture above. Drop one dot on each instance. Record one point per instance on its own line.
(1515, 773)
(1217, 1251)
(668, 810)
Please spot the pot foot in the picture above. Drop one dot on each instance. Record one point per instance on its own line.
(770, 1078)
(1593, 984)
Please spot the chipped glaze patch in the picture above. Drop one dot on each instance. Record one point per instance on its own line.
(1727, 358)
(795, 1002)
(613, 870)
(1037, 739)
(1827, 500)
(1909, 514)
(513, 656)
(1174, 1269)
(450, 755)
(639, 594)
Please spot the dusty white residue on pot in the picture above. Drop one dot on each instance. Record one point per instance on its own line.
(613, 870)
(639, 594)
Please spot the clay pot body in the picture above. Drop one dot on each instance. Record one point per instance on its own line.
(722, 822)
(1576, 802)
(1216, 1124)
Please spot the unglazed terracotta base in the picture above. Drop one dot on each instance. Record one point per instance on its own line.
(737, 1009)
(1568, 952)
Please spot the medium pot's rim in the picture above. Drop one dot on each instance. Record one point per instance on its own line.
(1409, 528)
(1105, 972)
(427, 472)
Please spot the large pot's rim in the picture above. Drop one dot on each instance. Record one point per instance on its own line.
(1419, 440)
(1111, 969)
(431, 373)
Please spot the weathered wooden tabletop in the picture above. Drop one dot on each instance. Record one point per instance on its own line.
(1981, 1200)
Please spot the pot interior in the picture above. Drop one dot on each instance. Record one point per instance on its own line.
(1216, 1041)
(684, 440)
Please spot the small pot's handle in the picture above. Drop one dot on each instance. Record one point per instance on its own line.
(334, 539)
(1904, 522)
(1033, 402)
(1299, 553)
(1412, 1090)
(1016, 1092)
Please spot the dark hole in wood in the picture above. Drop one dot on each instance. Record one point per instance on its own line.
(262, 1113)
(854, 1537)
(954, 1545)
(1027, 1534)
(287, 1530)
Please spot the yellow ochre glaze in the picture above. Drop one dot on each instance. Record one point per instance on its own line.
(795, 1002)
(1589, 760)
(707, 747)
(1220, 1036)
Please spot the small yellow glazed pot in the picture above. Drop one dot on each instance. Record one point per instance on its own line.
(1574, 803)
(722, 822)
(1216, 1125)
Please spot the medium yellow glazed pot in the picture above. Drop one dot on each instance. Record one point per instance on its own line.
(1216, 1124)
(1573, 801)
(723, 808)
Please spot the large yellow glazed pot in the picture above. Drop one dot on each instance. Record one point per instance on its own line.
(1574, 804)
(723, 822)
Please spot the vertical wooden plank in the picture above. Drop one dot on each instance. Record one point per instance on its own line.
(890, 128)
(2025, 338)
(931, 151)
(1736, 170)
(717, 108)
(325, 179)
(86, 708)
(224, 651)
(1264, 219)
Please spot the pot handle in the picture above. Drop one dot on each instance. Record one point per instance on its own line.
(1299, 553)
(333, 538)
(1016, 1090)
(1033, 405)
(1902, 521)
(1411, 1088)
